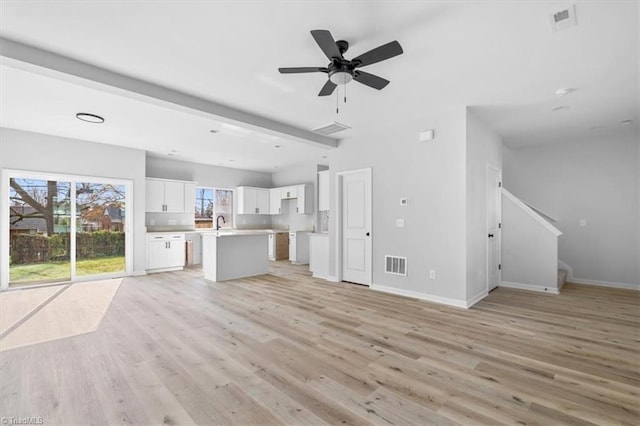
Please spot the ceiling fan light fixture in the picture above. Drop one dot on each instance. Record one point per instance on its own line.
(340, 77)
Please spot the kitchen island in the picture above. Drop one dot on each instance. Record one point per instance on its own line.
(228, 255)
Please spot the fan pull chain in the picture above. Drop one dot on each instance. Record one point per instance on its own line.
(337, 96)
(345, 93)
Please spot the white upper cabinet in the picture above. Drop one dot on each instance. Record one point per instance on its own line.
(252, 200)
(288, 192)
(304, 203)
(154, 196)
(169, 196)
(275, 201)
(323, 190)
(262, 201)
(189, 197)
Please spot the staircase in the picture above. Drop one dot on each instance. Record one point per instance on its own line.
(529, 248)
(562, 277)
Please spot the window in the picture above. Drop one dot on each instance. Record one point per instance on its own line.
(211, 203)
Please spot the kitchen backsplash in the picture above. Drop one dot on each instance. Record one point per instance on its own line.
(291, 219)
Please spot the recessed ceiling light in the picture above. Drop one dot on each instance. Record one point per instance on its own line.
(277, 146)
(231, 161)
(324, 156)
(564, 91)
(89, 118)
(560, 108)
(214, 131)
(626, 122)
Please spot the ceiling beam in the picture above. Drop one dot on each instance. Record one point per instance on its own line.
(51, 64)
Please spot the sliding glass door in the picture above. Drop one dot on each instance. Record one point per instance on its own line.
(39, 231)
(46, 245)
(100, 228)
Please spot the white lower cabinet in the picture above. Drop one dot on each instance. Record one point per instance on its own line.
(165, 252)
(319, 255)
(299, 247)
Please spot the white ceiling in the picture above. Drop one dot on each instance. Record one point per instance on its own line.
(500, 58)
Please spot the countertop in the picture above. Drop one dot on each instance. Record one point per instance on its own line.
(227, 231)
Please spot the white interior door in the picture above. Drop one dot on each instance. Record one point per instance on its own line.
(494, 218)
(356, 227)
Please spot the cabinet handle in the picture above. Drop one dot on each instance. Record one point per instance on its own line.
(169, 244)
(257, 210)
(297, 209)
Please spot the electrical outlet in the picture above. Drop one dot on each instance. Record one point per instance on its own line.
(583, 223)
(399, 223)
(432, 274)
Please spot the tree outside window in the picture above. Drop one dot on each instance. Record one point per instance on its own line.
(211, 203)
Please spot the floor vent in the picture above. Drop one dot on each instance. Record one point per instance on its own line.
(395, 265)
(332, 128)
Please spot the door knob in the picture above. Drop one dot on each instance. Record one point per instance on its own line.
(368, 233)
(490, 235)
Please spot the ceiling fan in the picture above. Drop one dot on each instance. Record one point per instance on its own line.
(341, 70)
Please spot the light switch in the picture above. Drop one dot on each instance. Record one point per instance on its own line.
(583, 223)
(432, 274)
(399, 223)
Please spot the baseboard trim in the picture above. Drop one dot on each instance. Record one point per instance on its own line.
(422, 296)
(624, 286)
(530, 287)
(176, 268)
(478, 297)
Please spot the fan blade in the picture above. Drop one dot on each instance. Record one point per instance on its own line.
(378, 54)
(327, 89)
(297, 70)
(327, 43)
(370, 80)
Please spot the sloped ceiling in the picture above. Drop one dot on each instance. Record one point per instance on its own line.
(500, 58)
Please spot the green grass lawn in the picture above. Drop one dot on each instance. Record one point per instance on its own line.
(57, 271)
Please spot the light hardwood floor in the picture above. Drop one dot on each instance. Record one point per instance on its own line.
(286, 348)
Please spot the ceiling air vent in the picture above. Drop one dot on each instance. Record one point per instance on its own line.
(563, 19)
(332, 128)
(395, 265)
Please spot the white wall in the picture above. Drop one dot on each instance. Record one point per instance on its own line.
(27, 151)
(211, 176)
(592, 179)
(289, 219)
(529, 249)
(484, 147)
(432, 176)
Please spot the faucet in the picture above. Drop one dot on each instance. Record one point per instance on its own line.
(218, 222)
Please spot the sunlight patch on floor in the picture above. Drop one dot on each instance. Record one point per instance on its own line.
(15, 305)
(77, 310)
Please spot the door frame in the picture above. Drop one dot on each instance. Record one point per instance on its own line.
(4, 219)
(492, 168)
(339, 211)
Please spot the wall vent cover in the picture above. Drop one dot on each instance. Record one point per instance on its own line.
(332, 128)
(563, 19)
(395, 265)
